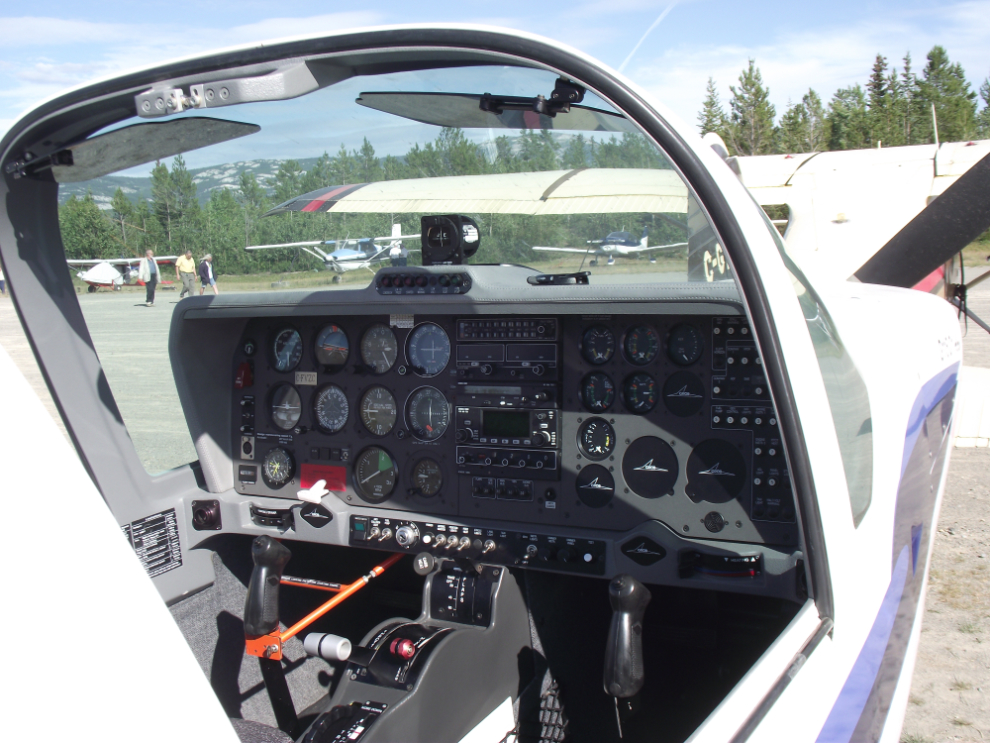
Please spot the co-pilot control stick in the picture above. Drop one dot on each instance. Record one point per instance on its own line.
(624, 652)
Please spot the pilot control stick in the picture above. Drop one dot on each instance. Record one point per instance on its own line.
(624, 652)
(261, 607)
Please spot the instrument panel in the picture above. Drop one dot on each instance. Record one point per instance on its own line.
(589, 421)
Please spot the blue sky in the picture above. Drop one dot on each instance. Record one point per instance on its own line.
(796, 45)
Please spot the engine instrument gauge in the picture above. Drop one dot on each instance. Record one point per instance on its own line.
(374, 475)
(640, 393)
(378, 411)
(428, 349)
(427, 478)
(287, 349)
(642, 345)
(379, 348)
(597, 345)
(331, 408)
(427, 413)
(597, 392)
(596, 438)
(278, 468)
(332, 346)
(684, 344)
(286, 407)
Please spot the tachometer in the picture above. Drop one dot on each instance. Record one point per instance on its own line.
(374, 475)
(642, 345)
(685, 344)
(378, 411)
(379, 349)
(427, 478)
(287, 349)
(332, 347)
(427, 413)
(597, 345)
(597, 392)
(286, 407)
(596, 438)
(331, 408)
(428, 349)
(278, 467)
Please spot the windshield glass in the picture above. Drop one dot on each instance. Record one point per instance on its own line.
(324, 189)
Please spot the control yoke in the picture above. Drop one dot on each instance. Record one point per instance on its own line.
(624, 652)
(261, 607)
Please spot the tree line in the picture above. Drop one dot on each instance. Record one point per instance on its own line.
(173, 219)
(894, 108)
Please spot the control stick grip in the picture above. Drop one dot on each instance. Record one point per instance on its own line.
(261, 607)
(624, 651)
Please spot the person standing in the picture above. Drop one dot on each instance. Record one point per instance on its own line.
(148, 273)
(206, 277)
(185, 271)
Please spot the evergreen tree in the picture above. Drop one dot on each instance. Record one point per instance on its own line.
(712, 117)
(122, 210)
(163, 200)
(751, 130)
(187, 213)
(848, 119)
(944, 86)
(983, 118)
(86, 232)
(879, 102)
(817, 130)
(907, 108)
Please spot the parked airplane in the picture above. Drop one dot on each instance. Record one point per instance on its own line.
(587, 553)
(113, 273)
(621, 244)
(366, 251)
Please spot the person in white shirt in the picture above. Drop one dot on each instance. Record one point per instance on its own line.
(148, 273)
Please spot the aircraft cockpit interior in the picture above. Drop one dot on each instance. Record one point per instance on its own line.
(535, 442)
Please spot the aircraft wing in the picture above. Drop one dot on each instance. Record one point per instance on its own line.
(647, 248)
(292, 245)
(565, 250)
(98, 261)
(397, 237)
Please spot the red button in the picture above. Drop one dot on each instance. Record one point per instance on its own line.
(402, 648)
(245, 376)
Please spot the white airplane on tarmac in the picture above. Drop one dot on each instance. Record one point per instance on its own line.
(559, 544)
(621, 244)
(113, 273)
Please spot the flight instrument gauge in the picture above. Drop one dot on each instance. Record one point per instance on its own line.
(427, 478)
(428, 349)
(642, 345)
(379, 349)
(597, 345)
(278, 468)
(374, 475)
(331, 408)
(286, 407)
(287, 349)
(597, 392)
(596, 438)
(427, 413)
(378, 411)
(640, 393)
(685, 344)
(332, 347)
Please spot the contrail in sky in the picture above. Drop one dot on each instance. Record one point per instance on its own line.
(648, 32)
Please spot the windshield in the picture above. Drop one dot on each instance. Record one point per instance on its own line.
(324, 189)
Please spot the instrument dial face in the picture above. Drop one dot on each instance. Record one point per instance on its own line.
(597, 345)
(428, 349)
(379, 349)
(685, 344)
(287, 349)
(278, 467)
(331, 408)
(642, 345)
(427, 478)
(332, 346)
(374, 475)
(427, 413)
(596, 438)
(597, 392)
(378, 411)
(286, 407)
(640, 393)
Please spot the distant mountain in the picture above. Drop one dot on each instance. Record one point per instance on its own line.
(207, 180)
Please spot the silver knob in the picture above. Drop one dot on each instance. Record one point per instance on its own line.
(407, 535)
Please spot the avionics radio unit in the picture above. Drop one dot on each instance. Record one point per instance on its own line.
(508, 350)
(530, 428)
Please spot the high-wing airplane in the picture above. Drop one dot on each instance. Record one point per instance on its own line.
(621, 244)
(695, 505)
(354, 254)
(113, 273)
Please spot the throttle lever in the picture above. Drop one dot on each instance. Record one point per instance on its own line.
(261, 607)
(624, 674)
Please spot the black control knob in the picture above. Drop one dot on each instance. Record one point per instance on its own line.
(545, 437)
(566, 554)
(462, 435)
(539, 370)
(487, 369)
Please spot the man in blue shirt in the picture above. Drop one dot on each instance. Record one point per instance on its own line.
(148, 273)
